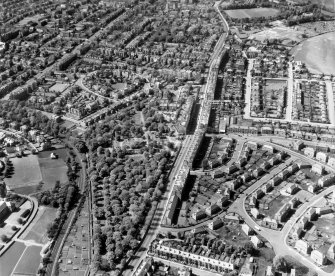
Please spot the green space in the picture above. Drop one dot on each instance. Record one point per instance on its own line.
(326, 225)
(250, 13)
(232, 234)
(38, 232)
(317, 53)
(26, 172)
(9, 259)
(275, 205)
(29, 261)
(31, 170)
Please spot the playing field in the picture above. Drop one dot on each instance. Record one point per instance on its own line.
(26, 172)
(30, 170)
(53, 169)
(38, 232)
(282, 33)
(317, 53)
(9, 259)
(250, 13)
(29, 261)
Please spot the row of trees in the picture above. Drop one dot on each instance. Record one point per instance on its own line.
(64, 197)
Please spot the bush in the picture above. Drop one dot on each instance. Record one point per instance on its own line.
(14, 228)
(4, 238)
(20, 220)
(25, 213)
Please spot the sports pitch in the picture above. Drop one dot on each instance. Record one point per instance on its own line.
(317, 53)
(250, 13)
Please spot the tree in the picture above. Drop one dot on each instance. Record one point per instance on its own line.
(249, 247)
(4, 238)
(280, 263)
(3, 190)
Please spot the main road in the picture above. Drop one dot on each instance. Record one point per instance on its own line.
(161, 209)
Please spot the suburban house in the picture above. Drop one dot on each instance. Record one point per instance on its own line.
(256, 241)
(322, 157)
(215, 224)
(303, 247)
(198, 215)
(309, 152)
(246, 229)
(327, 180)
(297, 232)
(254, 212)
(212, 209)
(318, 169)
(318, 257)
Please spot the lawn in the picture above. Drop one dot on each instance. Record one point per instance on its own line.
(38, 232)
(29, 262)
(317, 53)
(53, 169)
(26, 172)
(275, 205)
(326, 225)
(232, 234)
(250, 13)
(9, 259)
(30, 170)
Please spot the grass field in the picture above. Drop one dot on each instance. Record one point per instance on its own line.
(53, 169)
(282, 33)
(26, 172)
(30, 170)
(232, 234)
(38, 232)
(9, 259)
(29, 261)
(317, 53)
(328, 4)
(250, 13)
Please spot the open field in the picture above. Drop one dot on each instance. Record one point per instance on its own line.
(30, 170)
(62, 154)
(232, 234)
(26, 172)
(29, 261)
(38, 233)
(281, 33)
(9, 259)
(249, 13)
(327, 4)
(317, 53)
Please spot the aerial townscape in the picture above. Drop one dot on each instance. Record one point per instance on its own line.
(167, 137)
